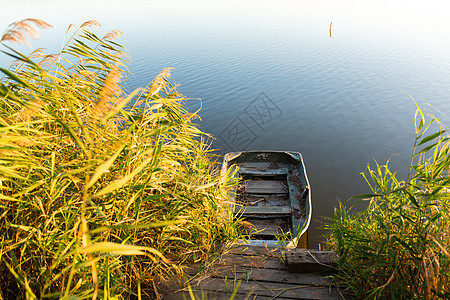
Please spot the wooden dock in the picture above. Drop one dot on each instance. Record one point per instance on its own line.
(259, 272)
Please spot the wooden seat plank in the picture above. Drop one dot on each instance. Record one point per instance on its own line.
(267, 227)
(266, 187)
(264, 200)
(262, 210)
(263, 168)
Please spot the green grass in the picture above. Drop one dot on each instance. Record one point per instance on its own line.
(102, 191)
(397, 246)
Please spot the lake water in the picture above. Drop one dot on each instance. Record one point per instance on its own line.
(270, 76)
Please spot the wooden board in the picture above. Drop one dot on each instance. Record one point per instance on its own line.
(266, 187)
(262, 210)
(276, 263)
(260, 272)
(263, 168)
(256, 250)
(210, 295)
(215, 295)
(268, 289)
(263, 200)
(267, 227)
(308, 260)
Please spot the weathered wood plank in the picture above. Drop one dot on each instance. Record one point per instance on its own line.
(216, 296)
(262, 210)
(274, 281)
(308, 260)
(270, 275)
(264, 200)
(263, 168)
(266, 187)
(270, 289)
(262, 272)
(255, 165)
(252, 261)
(256, 250)
(267, 227)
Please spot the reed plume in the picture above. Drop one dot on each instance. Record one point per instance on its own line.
(110, 92)
(112, 35)
(91, 23)
(37, 53)
(160, 81)
(18, 32)
(48, 60)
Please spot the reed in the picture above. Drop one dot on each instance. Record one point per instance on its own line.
(398, 245)
(102, 191)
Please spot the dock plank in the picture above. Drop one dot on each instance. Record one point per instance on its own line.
(269, 289)
(216, 296)
(262, 275)
(255, 250)
(308, 260)
(261, 272)
(276, 263)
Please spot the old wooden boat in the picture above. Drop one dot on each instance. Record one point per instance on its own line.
(273, 197)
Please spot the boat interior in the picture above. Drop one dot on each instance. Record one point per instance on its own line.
(272, 200)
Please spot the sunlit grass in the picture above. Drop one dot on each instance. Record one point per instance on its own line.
(398, 246)
(102, 190)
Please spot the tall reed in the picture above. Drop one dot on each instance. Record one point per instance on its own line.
(102, 191)
(398, 246)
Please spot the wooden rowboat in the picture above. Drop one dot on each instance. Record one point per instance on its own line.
(273, 197)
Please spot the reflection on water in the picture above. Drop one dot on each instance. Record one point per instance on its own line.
(335, 78)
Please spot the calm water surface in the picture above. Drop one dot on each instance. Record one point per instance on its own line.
(269, 75)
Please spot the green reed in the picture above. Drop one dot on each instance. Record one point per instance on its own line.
(102, 191)
(398, 245)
